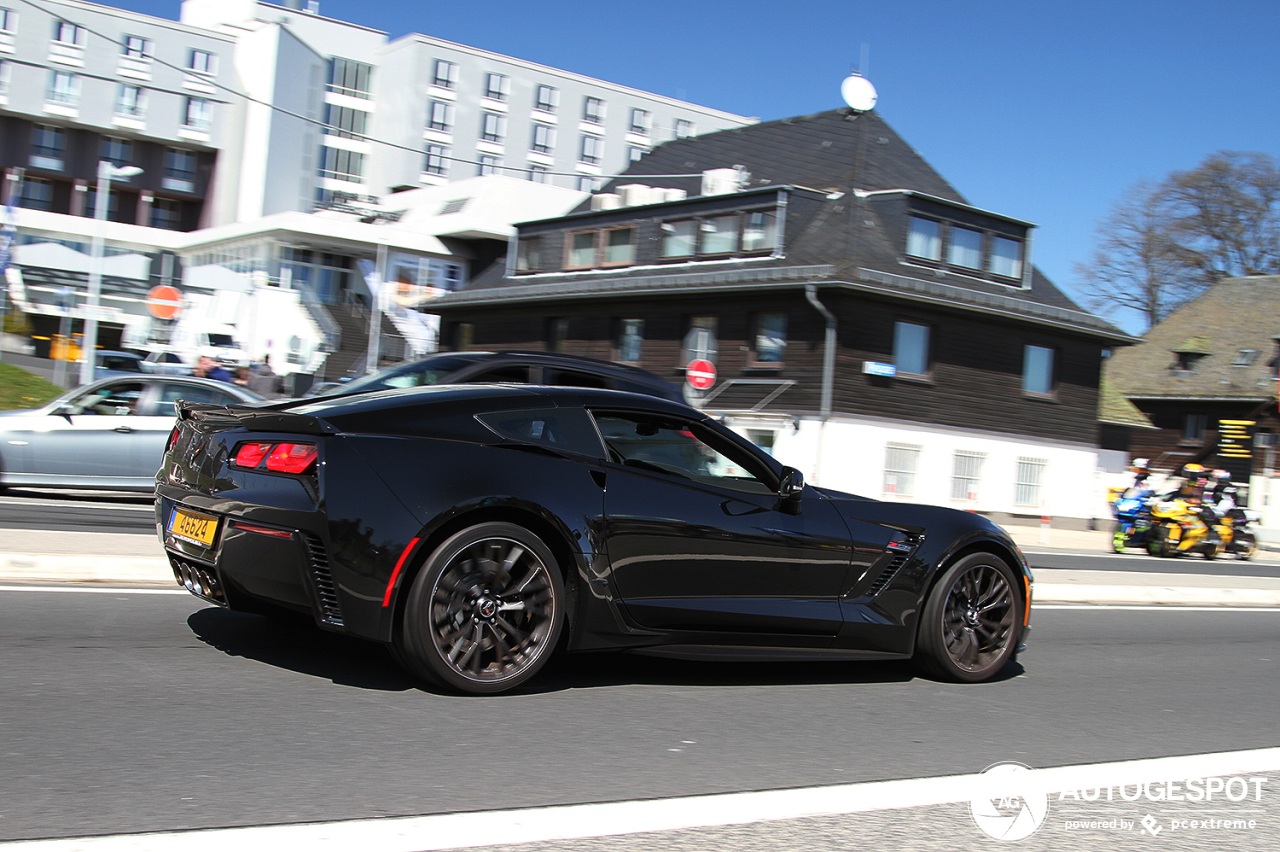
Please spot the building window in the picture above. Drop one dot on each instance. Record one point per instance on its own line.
(497, 86)
(639, 121)
(558, 334)
(136, 46)
(619, 246)
(966, 472)
(760, 231)
(965, 248)
(586, 183)
(198, 114)
(64, 88)
(1006, 258)
(539, 174)
(593, 110)
(924, 240)
(1193, 428)
(546, 98)
(582, 249)
(529, 254)
(48, 147)
(348, 77)
(115, 150)
(719, 235)
(446, 74)
(1037, 370)
(700, 341)
(635, 152)
(180, 167)
(166, 213)
(65, 32)
(131, 101)
(592, 149)
(684, 128)
(900, 463)
(1245, 358)
(6, 72)
(630, 340)
(679, 238)
(341, 165)
(8, 21)
(36, 194)
(911, 348)
(489, 164)
(543, 138)
(440, 116)
(1027, 488)
(771, 338)
(436, 161)
(345, 122)
(493, 127)
(202, 62)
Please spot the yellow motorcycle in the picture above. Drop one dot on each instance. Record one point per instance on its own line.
(1178, 527)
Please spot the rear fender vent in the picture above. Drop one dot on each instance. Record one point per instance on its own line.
(326, 593)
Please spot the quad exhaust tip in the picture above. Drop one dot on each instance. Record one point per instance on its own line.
(199, 581)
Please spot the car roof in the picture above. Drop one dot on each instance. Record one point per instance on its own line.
(478, 396)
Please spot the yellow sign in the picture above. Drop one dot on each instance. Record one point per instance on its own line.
(193, 527)
(1235, 438)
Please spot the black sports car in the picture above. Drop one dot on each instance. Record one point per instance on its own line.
(476, 529)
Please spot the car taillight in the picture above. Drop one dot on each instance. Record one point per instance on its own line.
(291, 458)
(173, 438)
(282, 457)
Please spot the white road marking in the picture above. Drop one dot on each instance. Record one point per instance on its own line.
(1035, 607)
(567, 822)
(95, 590)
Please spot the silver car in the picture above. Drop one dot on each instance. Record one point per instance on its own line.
(109, 434)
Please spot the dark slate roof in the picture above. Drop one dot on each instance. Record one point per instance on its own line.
(855, 239)
(1234, 315)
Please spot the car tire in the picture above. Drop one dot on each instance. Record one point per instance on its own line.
(971, 623)
(485, 612)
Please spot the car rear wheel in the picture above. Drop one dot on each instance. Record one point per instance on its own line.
(485, 611)
(970, 624)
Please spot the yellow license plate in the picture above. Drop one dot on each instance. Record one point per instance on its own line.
(194, 527)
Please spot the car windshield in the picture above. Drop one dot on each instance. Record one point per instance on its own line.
(428, 371)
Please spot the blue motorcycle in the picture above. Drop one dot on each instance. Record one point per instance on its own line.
(1134, 526)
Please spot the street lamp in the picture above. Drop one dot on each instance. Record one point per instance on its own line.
(89, 345)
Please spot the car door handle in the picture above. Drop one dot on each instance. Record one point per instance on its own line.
(124, 429)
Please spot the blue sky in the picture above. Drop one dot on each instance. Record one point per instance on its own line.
(1046, 111)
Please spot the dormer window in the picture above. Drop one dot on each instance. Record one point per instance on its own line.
(744, 232)
(960, 241)
(924, 239)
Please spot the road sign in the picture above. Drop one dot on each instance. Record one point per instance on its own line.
(700, 374)
(164, 302)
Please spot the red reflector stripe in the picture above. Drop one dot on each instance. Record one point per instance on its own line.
(254, 528)
(391, 584)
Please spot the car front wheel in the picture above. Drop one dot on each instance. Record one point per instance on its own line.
(485, 611)
(971, 620)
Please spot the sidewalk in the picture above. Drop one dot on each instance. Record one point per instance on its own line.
(131, 559)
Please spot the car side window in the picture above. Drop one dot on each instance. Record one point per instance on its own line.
(682, 449)
(171, 392)
(517, 374)
(574, 379)
(116, 399)
(565, 429)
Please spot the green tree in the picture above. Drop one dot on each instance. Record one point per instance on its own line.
(1163, 244)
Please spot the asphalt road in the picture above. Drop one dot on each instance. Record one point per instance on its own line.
(127, 712)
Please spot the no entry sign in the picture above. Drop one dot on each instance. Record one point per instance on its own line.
(700, 374)
(164, 302)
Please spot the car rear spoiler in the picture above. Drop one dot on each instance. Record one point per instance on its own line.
(255, 419)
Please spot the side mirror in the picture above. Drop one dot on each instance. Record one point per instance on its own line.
(791, 484)
(64, 410)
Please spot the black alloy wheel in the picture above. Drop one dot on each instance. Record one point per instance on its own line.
(971, 622)
(485, 611)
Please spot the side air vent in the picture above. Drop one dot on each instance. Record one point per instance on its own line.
(325, 591)
(891, 570)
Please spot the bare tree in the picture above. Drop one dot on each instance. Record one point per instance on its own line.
(1164, 244)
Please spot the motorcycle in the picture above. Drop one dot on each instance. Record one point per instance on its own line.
(1130, 509)
(1179, 526)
